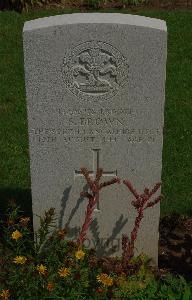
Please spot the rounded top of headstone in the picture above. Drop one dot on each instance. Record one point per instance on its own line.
(94, 18)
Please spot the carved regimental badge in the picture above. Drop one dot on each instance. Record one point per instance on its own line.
(95, 69)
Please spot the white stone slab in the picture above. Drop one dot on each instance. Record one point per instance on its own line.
(95, 87)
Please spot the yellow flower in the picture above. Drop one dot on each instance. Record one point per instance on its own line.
(64, 272)
(5, 294)
(20, 260)
(105, 279)
(50, 286)
(80, 254)
(16, 235)
(42, 269)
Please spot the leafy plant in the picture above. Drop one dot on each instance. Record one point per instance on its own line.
(53, 267)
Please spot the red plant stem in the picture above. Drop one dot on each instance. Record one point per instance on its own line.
(127, 247)
(107, 183)
(139, 204)
(88, 219)
(130, 187)
(93, 198)
(155, 189)
(152, 203)
(91, 183)
(137, 225)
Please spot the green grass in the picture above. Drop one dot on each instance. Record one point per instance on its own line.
(177, 154)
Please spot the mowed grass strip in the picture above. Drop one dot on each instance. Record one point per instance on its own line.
(177, 153)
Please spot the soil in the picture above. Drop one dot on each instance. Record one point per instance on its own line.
(175, 245)
(85, 5)
(157, 4)
(152, 4)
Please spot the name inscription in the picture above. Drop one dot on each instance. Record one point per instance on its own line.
(95, 126)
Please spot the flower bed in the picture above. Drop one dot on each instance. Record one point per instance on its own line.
(54, 267)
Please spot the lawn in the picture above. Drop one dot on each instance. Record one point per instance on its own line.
(177, 153)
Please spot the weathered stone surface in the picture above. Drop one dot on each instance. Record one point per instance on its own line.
(95, 88)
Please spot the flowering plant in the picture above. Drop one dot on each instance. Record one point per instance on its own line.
(54, 267)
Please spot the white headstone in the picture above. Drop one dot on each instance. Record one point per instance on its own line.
(95, 88)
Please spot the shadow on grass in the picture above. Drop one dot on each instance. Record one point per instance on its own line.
(175, 247)
(22, 197)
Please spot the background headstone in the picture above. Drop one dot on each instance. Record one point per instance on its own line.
(95, 88)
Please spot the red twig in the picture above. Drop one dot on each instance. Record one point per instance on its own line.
(107, 183)
(127, 248)
(88, 219)
(130, 187)
(152, 203)
(93, 198)
(140, 203)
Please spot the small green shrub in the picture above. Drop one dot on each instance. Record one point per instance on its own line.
(169, 288)
(55, 268)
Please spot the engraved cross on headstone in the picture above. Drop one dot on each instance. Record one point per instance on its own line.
(96, 163)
